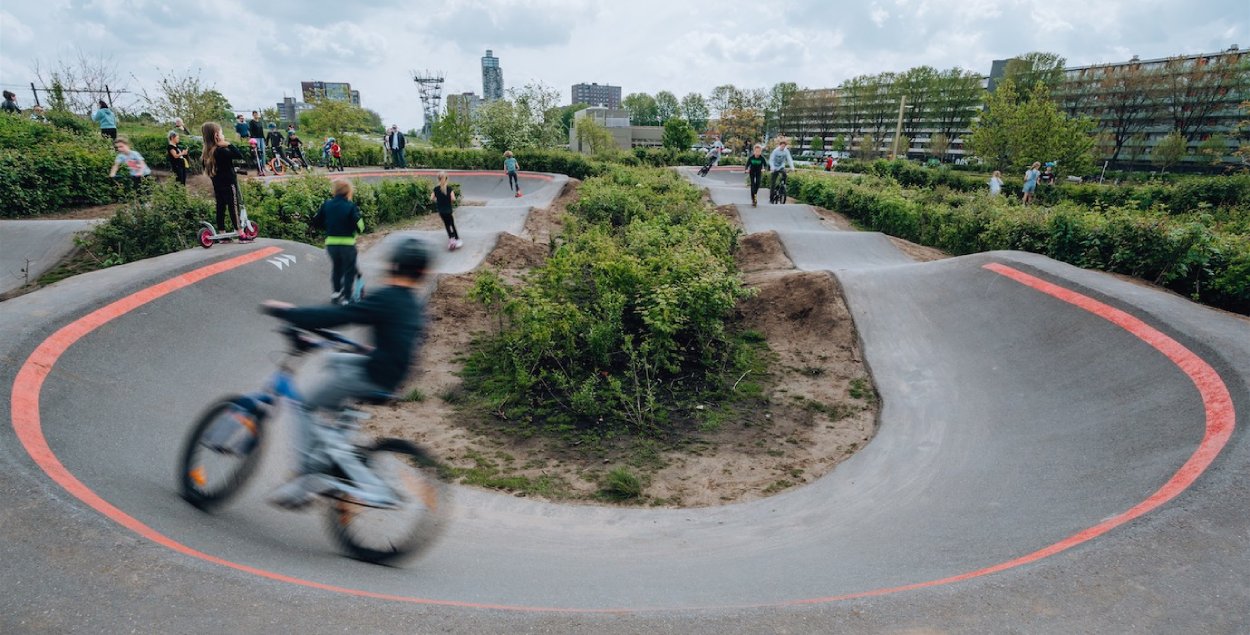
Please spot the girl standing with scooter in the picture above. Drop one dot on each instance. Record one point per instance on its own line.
(218, 158)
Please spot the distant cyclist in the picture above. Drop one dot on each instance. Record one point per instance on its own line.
(756, 164)
(396, 318)
(779, 159)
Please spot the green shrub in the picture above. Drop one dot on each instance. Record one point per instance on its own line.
(1200, 254)
(165, 221)
(632, 303)
(44, 168)
(620, 485)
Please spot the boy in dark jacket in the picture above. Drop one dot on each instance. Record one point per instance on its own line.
(395, 316)
(341, 220)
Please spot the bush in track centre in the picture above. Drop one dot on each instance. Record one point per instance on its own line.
(627, 317)
(1199, 253)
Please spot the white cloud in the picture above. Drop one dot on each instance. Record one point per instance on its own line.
(15, 31)
(256, 54)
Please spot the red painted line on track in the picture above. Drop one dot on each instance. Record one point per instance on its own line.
(1217, 402)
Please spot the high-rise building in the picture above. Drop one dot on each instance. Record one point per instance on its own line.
(289, 109)
(465, 104)
(595, 94)
(492, 77)
(338, 91)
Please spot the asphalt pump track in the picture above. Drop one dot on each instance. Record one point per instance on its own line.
(1058, 450)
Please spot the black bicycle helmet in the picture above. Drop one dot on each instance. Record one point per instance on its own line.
(410, 258)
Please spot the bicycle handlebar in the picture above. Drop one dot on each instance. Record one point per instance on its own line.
(297, 337)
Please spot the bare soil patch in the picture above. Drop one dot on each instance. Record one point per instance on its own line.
(816, 406)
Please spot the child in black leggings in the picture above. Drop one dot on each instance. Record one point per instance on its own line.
(218, 158)
(444, 198)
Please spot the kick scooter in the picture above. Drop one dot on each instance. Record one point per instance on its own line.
(209, 236)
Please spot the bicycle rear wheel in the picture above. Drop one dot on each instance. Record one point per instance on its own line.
(385, 536)
(221, 452)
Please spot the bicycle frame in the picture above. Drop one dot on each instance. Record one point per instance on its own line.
(333, 443)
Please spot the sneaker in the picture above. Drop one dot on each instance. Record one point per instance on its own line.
(335, 297)
(451, 244)
(459, 243)
(518, 193)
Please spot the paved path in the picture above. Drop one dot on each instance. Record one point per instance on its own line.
(1056, 454)
(28, 248)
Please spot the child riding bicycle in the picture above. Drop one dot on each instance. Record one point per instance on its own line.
(396, 319)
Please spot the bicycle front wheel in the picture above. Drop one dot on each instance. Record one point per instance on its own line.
(384, 536)
(221, 453)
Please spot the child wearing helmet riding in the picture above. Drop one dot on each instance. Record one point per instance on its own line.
(395, 316)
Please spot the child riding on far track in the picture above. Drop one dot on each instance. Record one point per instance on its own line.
(510, 166)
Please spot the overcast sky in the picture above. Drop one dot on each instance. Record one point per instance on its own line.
(256, 52)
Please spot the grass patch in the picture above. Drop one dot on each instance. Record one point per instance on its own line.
(414, 396)
(620, 485)
(861, 389)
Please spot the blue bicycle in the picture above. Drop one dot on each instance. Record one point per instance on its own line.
(386, 500)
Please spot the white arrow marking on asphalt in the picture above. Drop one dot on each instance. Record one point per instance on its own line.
(277, 262)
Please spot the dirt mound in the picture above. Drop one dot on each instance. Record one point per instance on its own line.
(543, 224)
(761, 252)
(730, 213)
(514, 252)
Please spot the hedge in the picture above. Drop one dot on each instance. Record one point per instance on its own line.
(168, 219)
(45, 167)
(1210, 262)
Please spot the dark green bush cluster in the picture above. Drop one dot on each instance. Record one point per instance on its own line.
(1189, 253)
(283, 209)
(627, 315)
(164, 221)
(45, 167)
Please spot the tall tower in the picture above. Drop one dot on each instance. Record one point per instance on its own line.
(492, 78)
(430, 87)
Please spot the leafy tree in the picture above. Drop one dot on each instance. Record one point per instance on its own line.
(939, 145)
(537, 115)
(333, 118)
(1191, 92)
(723, 98)
(453, 130)
(1169, 150)
(678, 135)
(816, 144)
(593, 136)
(868, 147)
(1032, 68)
(838, 144)
(781, 114)
(666, 106)
(850, 112)
(375, 120)
(1214, 148)
(500, 126)
(1013, 132)
(880, 103)
(566, 117)
(694, 109)
(1126, 104)
(186, 96)
(919, 86)
(740, 125)
(642, 109)
(958, 99)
